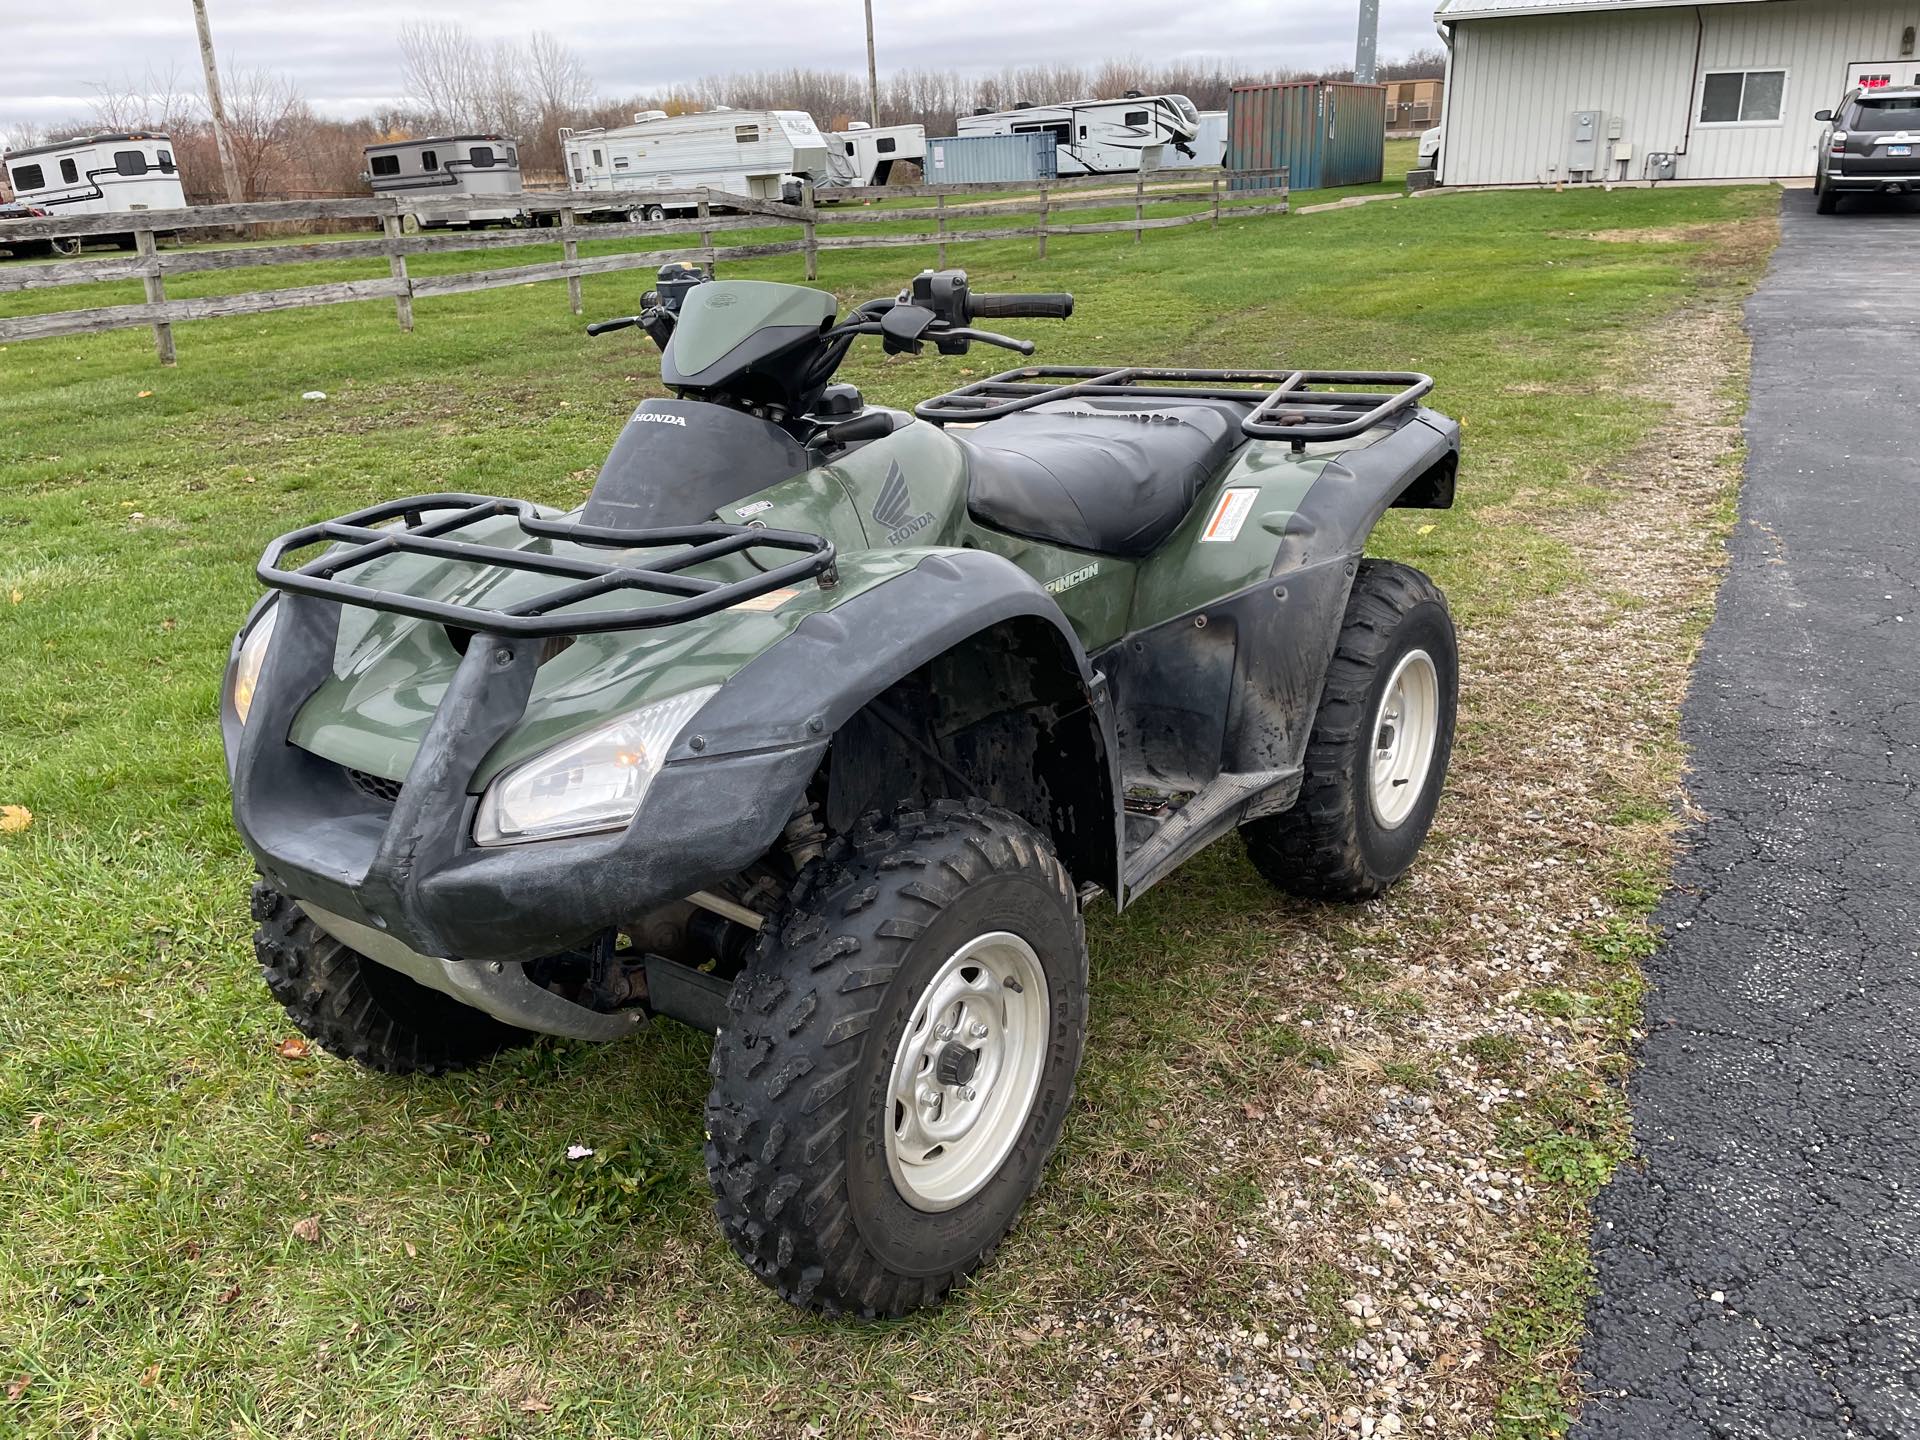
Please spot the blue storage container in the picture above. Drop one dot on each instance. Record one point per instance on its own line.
(1325, 133)
(986, 159)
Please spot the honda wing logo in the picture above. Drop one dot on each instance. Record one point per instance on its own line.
(894, 506)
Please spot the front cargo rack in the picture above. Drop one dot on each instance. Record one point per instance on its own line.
(1286, 406)
(372, 535)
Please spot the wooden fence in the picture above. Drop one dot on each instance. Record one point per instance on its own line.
(715, 211)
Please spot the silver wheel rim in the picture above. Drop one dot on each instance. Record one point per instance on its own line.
(1405, 729)
(967, 1070)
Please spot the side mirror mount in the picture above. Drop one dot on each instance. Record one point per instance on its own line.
(1823, 114)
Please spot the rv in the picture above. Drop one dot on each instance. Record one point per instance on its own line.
(762, 153)
(485, 168)
(97, 175)
(1099, 137)
(1206, 151)
(865, 154)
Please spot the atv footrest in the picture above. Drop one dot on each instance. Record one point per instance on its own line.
(1286, 403)
(371, 535)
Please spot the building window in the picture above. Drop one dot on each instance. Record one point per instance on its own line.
(29, 177)
(885, 145)
(69, 172)
(597, 161)
(1743, 97)
(383, 164)
(481, 157)
(620, 162)
(513, 155)
(129, 162)
(429, 160)
(166, 162)
(1136, 117)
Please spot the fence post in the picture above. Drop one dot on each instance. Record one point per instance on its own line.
(397, 265)
(570, 251)
(1214, 224)
(940, 226)
(812, 237)
(1041, 252)
(706, 236)
(1139, 201)
(156, 291)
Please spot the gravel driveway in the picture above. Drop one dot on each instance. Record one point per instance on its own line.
(1758, 1275)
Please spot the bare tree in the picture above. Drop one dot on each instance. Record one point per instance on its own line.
(266, 121)
(158, 100)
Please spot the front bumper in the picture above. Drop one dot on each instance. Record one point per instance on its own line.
(409, 869)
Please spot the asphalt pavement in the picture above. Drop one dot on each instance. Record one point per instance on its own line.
(1759, 1274)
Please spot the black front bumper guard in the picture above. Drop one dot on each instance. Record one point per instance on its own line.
(409, 868)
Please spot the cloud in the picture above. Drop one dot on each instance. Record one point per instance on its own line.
(343, 54)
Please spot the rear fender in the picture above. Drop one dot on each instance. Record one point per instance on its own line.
(959, 677)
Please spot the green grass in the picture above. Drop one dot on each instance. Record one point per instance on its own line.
(155, 1150)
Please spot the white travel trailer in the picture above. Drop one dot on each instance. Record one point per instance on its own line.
(865, 154)
(762, 153)
(477, 167)
(97, 175)
(1206, 151)
(1099, 137)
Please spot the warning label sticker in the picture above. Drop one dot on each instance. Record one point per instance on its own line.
(1230, 514)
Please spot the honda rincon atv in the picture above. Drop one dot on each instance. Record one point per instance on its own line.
(818, 724)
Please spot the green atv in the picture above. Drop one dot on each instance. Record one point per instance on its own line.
(817, 726)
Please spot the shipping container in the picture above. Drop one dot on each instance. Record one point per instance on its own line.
(1325, 133)
(986, 159)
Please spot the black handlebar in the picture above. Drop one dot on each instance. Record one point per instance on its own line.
(1056, 306)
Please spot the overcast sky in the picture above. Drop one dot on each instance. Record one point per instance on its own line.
(341, 52)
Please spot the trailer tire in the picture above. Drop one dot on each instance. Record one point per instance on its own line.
(65, 245)
(361, 1010)
(843, 1005)
(1342, 839)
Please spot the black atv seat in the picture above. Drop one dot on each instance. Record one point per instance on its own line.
(1113, 476)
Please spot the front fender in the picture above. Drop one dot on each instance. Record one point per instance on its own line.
(814, 680)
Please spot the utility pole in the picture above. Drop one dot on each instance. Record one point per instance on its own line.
(214, 103)
(873, 74)
(1365, 53)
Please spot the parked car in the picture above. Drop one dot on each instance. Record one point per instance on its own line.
(19, 249)
(1429, 149)
(1871, 146)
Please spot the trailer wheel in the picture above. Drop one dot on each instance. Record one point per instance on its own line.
(1377, 756)
(409, 224)
(67, 245)
(899, 1060)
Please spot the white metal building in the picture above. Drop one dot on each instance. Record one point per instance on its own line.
(1544, 91)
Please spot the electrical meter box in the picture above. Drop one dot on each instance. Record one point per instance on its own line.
(1583, 144)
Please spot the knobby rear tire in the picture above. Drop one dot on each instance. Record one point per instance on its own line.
(1329, 845)
(798, 1114)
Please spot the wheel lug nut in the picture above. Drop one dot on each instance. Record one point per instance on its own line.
(943, 1032)
(967, 1094)
(978, 1029)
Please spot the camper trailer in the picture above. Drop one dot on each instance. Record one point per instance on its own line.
(1099, 137)
(97, 175)
(762, 153)
(480, 168)
(864, 154)
(1208, 147)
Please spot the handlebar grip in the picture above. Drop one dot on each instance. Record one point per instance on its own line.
(1011, 306)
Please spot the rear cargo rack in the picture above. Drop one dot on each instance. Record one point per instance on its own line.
(1286, 406)
(372, 536)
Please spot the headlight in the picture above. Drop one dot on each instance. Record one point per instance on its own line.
(253, 654)
(592, 782)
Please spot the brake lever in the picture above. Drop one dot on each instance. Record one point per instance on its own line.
(601, 327)
(987, 337)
